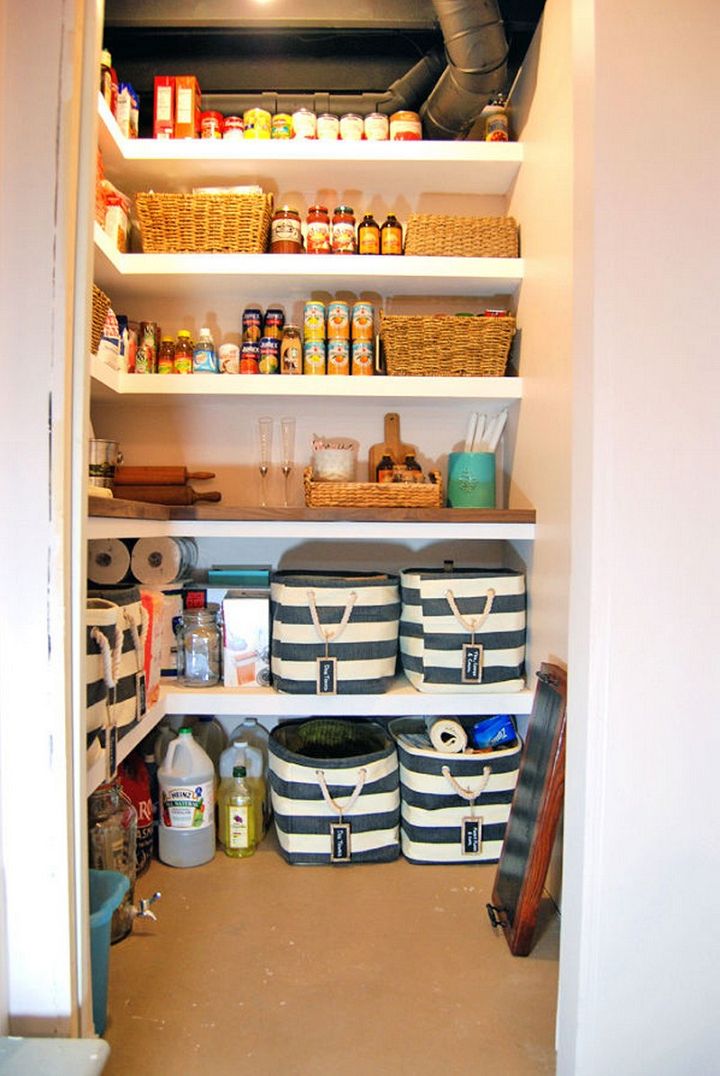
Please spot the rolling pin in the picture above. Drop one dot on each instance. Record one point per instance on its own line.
(157, 476)
(165, 494)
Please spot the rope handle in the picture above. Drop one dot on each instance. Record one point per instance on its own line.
(133, 628)
(106, 653)
(471, 624)
(329, 635)
(467, 793)
(332, 804)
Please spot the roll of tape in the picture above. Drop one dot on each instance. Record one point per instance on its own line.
(447, 735)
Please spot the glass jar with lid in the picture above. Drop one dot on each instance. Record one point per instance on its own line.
(112, 824)
(198, 647)
(343, 230)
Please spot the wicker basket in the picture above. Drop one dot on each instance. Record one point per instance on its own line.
(100, 307)
(446, 345)
(461, 237)
(373, 494)
(204, 223)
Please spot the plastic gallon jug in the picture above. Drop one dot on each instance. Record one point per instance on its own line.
(187, 803)
(240, 753)
(252, 732)
(211, 736)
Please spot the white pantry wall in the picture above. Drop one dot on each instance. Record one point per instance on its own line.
(639, 986)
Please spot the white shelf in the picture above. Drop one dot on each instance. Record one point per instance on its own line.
(294, 276)
(409, 169)
(96, 772)
(158, 388)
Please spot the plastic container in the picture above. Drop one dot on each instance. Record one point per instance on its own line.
(187, 804)
(242, 753)
(107, 889)
(211, 736)
(257, 736)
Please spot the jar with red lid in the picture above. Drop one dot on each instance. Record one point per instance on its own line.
(211, 125)
(343, 230)
(285, 231)
(317, 230)
(405, 127)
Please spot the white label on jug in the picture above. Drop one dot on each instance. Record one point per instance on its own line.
(188, 806)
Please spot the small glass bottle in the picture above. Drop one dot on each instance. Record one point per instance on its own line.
(198, 647)
(391, 236)
(236, 815)
(368, 235)
(183, 353)
(112, 822)
(385, 469)
(166, 356)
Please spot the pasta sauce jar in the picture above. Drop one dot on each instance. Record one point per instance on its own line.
(317, 231)
(343, 230)
(405, 127)
(285, 232)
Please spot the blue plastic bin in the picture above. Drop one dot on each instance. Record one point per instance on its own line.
(107, 889)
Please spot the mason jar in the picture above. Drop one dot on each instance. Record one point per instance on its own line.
(198, 647)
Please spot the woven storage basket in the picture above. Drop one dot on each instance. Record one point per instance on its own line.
(461, 237)
(445, 345)
(373, 494)
(100, 307)
(204, 223)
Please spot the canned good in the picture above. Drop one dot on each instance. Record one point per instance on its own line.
(343, 230)
(317, 230)
(291, 351)
(258, 122)
(338, 357)
(229, 355)
(269, 355)
(304, 123)
(252, 321)
(351, 127)
(363, 352)
(211, 125)
(274, 322)
(314, 320)
(328, 127)
(362, 321)
(233, 128)
(405, 127)
(285, 231)
(338, 321)
(147, 350)
(250, 358)
(281, 126)
(314, 357)
(377, 127)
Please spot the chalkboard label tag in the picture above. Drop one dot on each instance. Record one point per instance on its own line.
(340, 842)
(472, 663)
(327, 676)
(471, 836)
(141, 694)
(109, 740)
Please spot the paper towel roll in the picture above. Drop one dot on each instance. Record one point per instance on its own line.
(446, 735)
(108, 561)
(157, 562)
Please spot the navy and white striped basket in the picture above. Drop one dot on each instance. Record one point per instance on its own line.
(112, 666)
(352, 618)
(445, 610)
(440, 790)
(313, 789)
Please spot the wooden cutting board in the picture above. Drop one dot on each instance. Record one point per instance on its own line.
(392, 445)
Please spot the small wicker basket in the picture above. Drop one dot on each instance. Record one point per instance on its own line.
(373, 494)
(461, 237)
(446, 345)
(204, 223)
(100, 307)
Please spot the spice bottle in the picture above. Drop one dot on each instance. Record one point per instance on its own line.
(391, 236)
(183, 353)
(368, 235)
(343, 230)
(285, 231)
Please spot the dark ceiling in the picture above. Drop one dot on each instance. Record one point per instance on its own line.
(236, 58)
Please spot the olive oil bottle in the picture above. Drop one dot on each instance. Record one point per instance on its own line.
(236, 815)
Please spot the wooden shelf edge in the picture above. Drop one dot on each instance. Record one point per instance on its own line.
(118, 508)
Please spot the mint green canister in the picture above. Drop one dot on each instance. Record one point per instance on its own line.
(471, 480)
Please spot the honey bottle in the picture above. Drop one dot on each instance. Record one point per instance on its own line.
(391, 239)
(368, 235)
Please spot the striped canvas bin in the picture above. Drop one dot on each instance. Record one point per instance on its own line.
(115, 664)
(440, 792)
(335, 791)
(334, 633)
(463, 629)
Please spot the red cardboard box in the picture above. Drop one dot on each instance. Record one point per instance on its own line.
(164, 107)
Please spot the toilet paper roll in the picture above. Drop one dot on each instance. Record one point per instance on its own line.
(157, 562)
(108, 561)
(446, 735)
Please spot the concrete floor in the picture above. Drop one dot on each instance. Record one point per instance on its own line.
(256, 966)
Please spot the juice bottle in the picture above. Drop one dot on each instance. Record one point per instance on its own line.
(166, 356)
(183, 353)
(368, 235)
(237, 816)
(391, 236)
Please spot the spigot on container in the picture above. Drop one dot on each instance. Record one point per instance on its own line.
(142, 910)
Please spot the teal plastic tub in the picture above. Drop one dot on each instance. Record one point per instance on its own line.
(107, 889)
